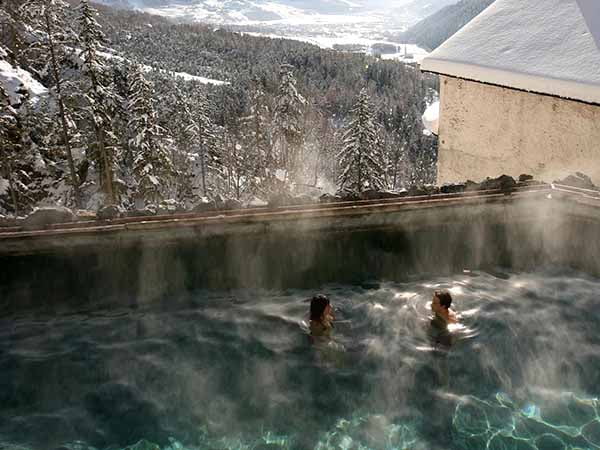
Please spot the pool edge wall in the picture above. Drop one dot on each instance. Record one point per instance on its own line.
(304, 249)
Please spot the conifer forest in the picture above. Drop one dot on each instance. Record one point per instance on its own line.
(123, 108)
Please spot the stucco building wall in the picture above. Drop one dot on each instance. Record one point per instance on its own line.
(489, 131)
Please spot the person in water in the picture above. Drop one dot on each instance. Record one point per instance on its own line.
(440, 306)
(321, 317)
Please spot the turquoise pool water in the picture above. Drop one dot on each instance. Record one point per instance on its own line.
(235, 369)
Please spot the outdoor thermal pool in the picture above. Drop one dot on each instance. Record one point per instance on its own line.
(193, 336)
(234, 369)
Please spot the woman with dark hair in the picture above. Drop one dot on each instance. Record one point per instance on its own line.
(321, 316)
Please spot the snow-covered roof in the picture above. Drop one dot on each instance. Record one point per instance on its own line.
(545, 46)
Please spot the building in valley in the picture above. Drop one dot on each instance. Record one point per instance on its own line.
(520, 92)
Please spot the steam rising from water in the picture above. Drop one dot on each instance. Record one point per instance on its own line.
(235, 370)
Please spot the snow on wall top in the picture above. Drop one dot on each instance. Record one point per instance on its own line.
(545, 46)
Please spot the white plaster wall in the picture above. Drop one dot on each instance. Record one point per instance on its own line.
(489, 131)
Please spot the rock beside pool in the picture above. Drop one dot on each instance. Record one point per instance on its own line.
(256, 202)
(48, 215)
(523, 178)
(140, 212)
(84, 215)
(426, 189)
(169, 206)
(578, 180)
(282, 200)
(110, 212)
(232, 203)
(372, 194)
(204, 205)
(456, 188)
(329, 198)
(503, 182)
(348, 195)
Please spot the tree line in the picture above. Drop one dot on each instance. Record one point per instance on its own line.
(118, 126)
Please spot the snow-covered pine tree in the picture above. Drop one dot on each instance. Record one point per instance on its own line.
(361, 160)
(12, 30)
(202, 137)
(289, 105)
(258, 129)
(48, 20)
(9, 147)
(100, 97)
(152, 165)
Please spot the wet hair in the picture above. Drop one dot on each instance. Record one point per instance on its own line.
(317, 306)
(445, 298)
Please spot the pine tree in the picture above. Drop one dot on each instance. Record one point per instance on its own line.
(152, 165)
(100, 98)
(49, 21)
(361, 160)
(9, 145)
(260, 114)
(289, 105)
(201, 133)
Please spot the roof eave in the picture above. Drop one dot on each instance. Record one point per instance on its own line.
(564, 89)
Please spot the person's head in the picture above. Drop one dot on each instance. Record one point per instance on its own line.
(319, 306)
(442, 298)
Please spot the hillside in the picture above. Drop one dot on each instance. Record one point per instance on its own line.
(432, 31)
(135, 122)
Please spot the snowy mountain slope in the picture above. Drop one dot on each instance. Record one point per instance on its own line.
(252, 12)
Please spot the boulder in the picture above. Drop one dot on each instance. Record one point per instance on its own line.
(503, 182)
(453, 188)
(523, 178)
(204, 205)
(169, 206)
(110, 212)
(348, 195)
(256, 202)
(577, 180)
(471, 186)
(329, 198)
(48, 215)
(151, 210)
(232, 203)
(84, 215)
(139, 213)
(428, 189)
(302, 199)
(372, 194)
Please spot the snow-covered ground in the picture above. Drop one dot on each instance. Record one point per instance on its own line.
(408, 53)
(431, 118)
(17, 82)
(184, 75)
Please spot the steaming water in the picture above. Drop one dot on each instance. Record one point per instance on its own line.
(236, 370)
